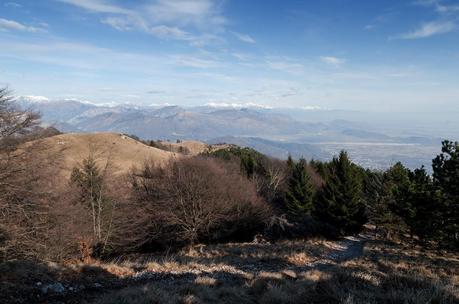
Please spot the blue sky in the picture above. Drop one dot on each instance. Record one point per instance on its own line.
(334, 54)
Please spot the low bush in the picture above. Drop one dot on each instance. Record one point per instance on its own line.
(188, 201)
(304, 227)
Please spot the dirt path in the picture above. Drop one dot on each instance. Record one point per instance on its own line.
(348, 249)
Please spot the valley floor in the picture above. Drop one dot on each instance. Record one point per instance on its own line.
(353, 270)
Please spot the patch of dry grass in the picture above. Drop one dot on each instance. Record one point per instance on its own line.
(386, 273)
(278, 255)
(124, 152)
(262, 273)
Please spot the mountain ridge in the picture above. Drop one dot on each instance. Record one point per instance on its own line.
(275, 132)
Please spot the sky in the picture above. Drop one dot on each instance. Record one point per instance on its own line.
(389, 55)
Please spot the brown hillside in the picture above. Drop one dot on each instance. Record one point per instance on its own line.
(123, 152)
(192, 147)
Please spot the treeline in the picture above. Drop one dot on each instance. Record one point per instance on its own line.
(162, 145)
(309, 199)
(233, 194)
(344, 196)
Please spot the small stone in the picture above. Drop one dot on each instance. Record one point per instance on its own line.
(55, 288)
(289, 274)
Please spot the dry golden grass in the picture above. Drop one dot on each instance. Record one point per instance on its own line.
(192, 147)
(247, 257)
(385, 273)
(265, 273)
(123, 152)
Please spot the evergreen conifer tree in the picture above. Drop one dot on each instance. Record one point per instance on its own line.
(398, 179)
(319, 167)
(377, 198)
(446, 179)
(340, 201)
(290, 162)
(247, 164)
(427, 210)
(299, 197)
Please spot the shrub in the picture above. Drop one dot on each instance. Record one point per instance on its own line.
(299, 227)
(190, 200)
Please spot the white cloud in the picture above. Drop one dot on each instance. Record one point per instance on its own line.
(11, 25)
(241, 57)
(98, 6)
(259, 106)
(194, 62)
(237, 105)
(33, 99)
(311, 108)
(186, 12)
(430, 29)
(335, 61)
(162, 18)
(244, 37)
(382, 19)
(161, 31)
(168, 32)
(425, 2)
(78, 56)
(120, 24)
(446, 24)
(95, 60)
(12, 4)
(285, 65)
(448, 9)
(369, 26)
(439, 6)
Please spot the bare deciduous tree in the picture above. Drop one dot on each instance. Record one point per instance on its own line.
(13, 120)
(191, 200)
(23, 211)
(94, 184)
(274, 178)
(34, 210)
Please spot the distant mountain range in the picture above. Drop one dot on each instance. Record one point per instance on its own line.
(271, 131)
(168, 122)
